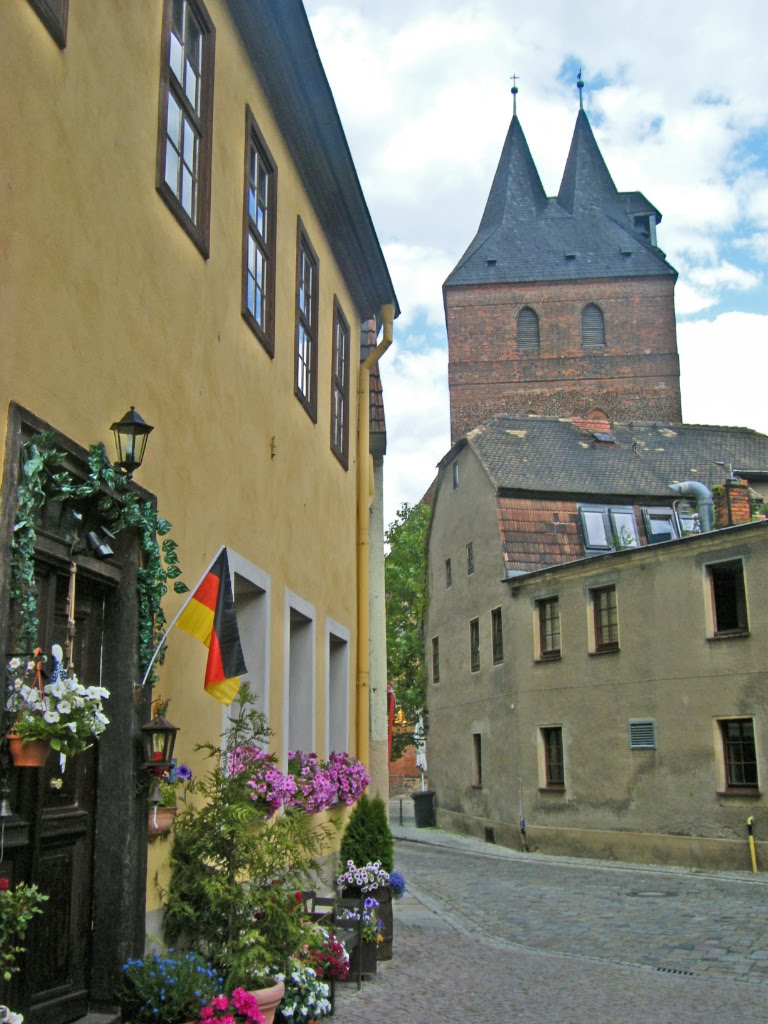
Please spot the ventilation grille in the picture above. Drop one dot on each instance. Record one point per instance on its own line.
(527, 330)
(642, 735)
(592, 327)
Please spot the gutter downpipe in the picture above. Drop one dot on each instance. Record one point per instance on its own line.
(703, 497)
(364, 496)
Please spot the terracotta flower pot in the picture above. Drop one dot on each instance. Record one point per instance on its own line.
(160, 821)
(269, 1000)
(32, 754)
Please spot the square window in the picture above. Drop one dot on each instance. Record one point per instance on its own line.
(729, 599)
(739, 753)
(549, 628)
(435, 659)
(305, 378)
(474, 645)
(259, 208)
(606, 619)
(470, 560)
(185, 129)
(497, 636)
(340, 386)
(552, 774)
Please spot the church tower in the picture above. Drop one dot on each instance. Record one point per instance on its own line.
(562, 306)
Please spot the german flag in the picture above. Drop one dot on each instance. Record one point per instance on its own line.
(210, 616)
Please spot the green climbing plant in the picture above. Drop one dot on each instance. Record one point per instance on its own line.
(44, 477)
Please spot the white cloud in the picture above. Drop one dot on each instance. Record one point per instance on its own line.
(722, 370)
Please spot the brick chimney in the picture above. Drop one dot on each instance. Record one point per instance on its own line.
(731, 503)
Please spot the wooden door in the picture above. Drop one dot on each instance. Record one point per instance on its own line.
(61, 810)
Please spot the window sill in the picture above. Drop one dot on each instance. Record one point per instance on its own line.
(730, 634)
(548, 657)
(498, 661)
(735, 791)
(605, 650)
(551, 789)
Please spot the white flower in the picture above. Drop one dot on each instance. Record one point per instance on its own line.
(72, 726)
(100, 717)
(57, 689)
(14, 663)
(52, 717)
(30, 666)
(64, 707)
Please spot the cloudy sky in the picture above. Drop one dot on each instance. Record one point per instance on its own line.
(676, 95)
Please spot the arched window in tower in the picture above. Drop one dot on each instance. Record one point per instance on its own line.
(528, 331)
(592, 327)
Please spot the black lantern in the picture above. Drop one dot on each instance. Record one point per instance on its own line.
(131, 433)
(159, 739)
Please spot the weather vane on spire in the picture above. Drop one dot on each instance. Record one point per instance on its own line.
(515, 90)
(580, 87)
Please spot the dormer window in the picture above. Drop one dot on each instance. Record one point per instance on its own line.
(645, 224)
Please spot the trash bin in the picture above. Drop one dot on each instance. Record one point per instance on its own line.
(424, 808)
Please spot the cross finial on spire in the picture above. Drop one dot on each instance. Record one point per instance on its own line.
(580, 87)
(515, 90)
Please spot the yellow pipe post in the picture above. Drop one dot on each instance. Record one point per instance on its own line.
(364, 494)
(750, 823)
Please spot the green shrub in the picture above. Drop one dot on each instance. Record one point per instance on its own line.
(367, 837)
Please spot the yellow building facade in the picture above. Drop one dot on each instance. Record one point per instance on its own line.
(183, 231)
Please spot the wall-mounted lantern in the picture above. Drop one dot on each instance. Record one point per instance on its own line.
(131, 433)
(159, 739)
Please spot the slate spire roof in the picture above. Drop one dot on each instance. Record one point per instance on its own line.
(587, 231)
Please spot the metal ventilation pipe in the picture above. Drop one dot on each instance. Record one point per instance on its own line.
(703, 498)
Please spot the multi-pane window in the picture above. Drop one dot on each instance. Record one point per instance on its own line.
(592, 327)
(739, 753)
(186, 116)
(497, 637)
(259, 236)
(729, 599)
(54, 14)
(340, 387)
(608, 527)
(448, 573)
(606, 619)
(435, 659)
(549, 628)
(474, 645)
(470, 559)
(305, 382)
(552, 748)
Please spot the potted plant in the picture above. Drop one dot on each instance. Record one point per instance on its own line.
(239, 1008)
(319, 784)
(166, 988)
(18, 905)
(307, 995)
(235, 863)
(63, 713)
(368, 845)
(163, 813)
(372, 937)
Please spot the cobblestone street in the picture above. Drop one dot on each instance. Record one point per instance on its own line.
(486, 934)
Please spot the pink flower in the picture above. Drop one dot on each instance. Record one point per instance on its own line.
(206, 1013)
(220, 1003)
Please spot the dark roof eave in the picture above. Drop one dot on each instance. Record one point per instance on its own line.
(282, 50)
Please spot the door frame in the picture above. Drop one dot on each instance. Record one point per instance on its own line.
(120, 828)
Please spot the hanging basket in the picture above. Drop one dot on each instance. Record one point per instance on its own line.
(32, 754)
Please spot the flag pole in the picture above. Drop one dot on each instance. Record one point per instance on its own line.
(176, 617)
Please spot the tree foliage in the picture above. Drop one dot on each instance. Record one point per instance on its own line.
(405, 571)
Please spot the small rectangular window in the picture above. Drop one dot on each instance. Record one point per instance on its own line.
(53, 14)
(497, 636)
(435, 659)
(642, 734)
(470, 560)
(185, 130)
(739, 753)
(448, 574)
(552, 751)
(595, 529)
(729, 599)
(606, 619)
(307, 291)
(455, 475)
(660, 524)
(340, 386)
(477, 750)
(259, 231)
(549, 628)
(623, 528)
(474, 645)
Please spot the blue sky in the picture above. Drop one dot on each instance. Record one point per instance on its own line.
(677, 99)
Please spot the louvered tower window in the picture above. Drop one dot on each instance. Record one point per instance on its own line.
(528, 331)
(592, 327)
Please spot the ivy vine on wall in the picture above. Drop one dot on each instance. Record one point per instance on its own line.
(44, 478)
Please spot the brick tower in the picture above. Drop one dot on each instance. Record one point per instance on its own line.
(562, 306)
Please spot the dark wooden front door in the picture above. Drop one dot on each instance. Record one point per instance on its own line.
(61, 809)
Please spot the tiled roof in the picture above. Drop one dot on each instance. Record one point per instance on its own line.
(536, 533)
(586, 232)
(378, 424)
(545, 455)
